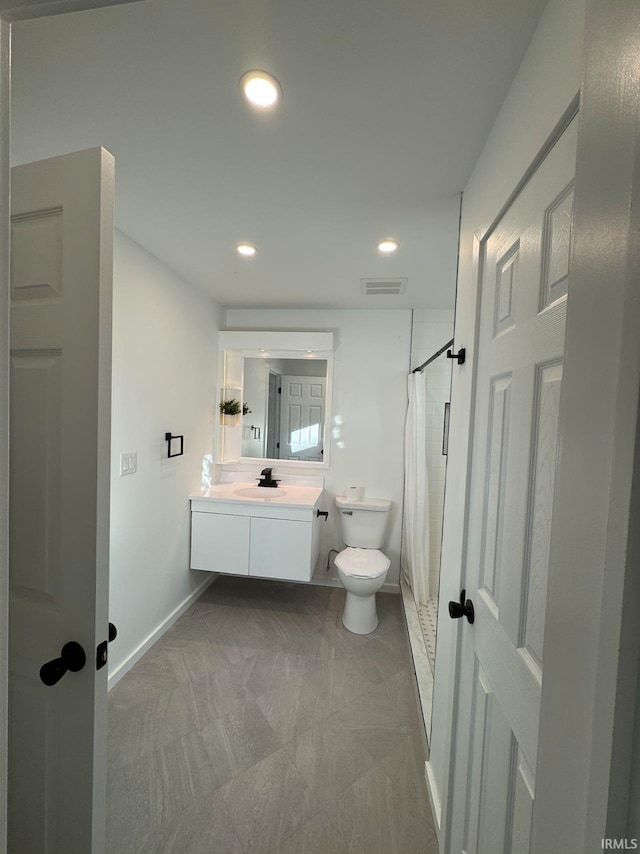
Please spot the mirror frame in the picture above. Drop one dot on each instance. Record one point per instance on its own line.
(278, 345)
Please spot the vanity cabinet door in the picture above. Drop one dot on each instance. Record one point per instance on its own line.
(220, 543)
(281, 549)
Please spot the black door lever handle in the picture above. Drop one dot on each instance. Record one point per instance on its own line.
(463, 608)
(72, 657)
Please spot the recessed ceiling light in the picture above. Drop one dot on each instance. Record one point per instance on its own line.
(261, 89)
(387, 246)
(246, 250)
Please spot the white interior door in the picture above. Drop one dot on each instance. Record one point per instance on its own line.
(302, 418)
(61, 270)
(523, 305)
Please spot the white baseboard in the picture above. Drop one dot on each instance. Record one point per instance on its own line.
(320, 579)
(434, 797)
(390, 588)
(166, 624)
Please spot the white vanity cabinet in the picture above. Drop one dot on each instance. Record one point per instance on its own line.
(264, 540)
(220, 539)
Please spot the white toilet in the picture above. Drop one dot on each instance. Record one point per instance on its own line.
(362, 567)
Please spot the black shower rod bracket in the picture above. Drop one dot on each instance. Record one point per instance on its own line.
(460, 355)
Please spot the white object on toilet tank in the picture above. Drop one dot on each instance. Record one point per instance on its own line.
(364, 521)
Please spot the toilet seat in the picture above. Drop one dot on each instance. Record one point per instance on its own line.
(362, 563)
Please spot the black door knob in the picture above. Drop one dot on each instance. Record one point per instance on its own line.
(113, 632)
(72, 658)
(463, 608)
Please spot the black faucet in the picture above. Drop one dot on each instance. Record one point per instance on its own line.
(266, 478)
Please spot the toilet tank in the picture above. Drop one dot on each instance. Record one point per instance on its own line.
(364, 521)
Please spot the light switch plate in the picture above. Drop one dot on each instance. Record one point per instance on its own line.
(128, 463)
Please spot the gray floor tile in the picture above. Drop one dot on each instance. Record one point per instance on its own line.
(339, 682)
(405, 767)
(118, 813)
(296, 623)
(370, 818)
(377, 660)
(301, 598)
(188, 629)
(237, 741)
(217, 693)
(153, 651)
(271, 668)
(197, 764)
(432, 847)
(268, 803)
(195, 661)
(379, 720)
(203, 827)
(137, 731)
(316, 837)
(294, 707)
(148, 678)
(243, 632)
(165, 782)
(329, 758)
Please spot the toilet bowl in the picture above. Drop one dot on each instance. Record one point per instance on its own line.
(362, 573)
(362, 567)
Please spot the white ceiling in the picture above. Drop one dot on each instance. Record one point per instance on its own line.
(387, 104)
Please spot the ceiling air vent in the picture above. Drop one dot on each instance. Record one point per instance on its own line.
(373, 287)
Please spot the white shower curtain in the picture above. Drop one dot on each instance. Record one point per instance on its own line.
(415, 551)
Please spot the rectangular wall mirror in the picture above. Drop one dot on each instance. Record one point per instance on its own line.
(275, 402)
(286, 402)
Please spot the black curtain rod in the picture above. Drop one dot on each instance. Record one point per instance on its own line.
(421, 367)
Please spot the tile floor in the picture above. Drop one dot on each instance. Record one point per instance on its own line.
(259, 725)
(429, 621)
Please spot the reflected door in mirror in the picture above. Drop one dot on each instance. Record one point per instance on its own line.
(302, 418)
(284, 408)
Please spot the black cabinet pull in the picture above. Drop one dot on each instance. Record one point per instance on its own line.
(72, 657)
(463, 608)
(324, 513)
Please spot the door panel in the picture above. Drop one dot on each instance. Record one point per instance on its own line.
(302, 418)
(545, 419)
(524, 286)
(61, 268)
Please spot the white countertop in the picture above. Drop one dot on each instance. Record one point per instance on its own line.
(291, 495)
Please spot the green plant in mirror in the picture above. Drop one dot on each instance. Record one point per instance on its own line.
(245, 409)
(230, 407)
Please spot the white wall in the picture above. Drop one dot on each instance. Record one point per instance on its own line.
(164, 379)
(431, 329)
(546, 83)
(371, 364)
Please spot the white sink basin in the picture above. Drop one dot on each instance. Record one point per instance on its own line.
(260, 492)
